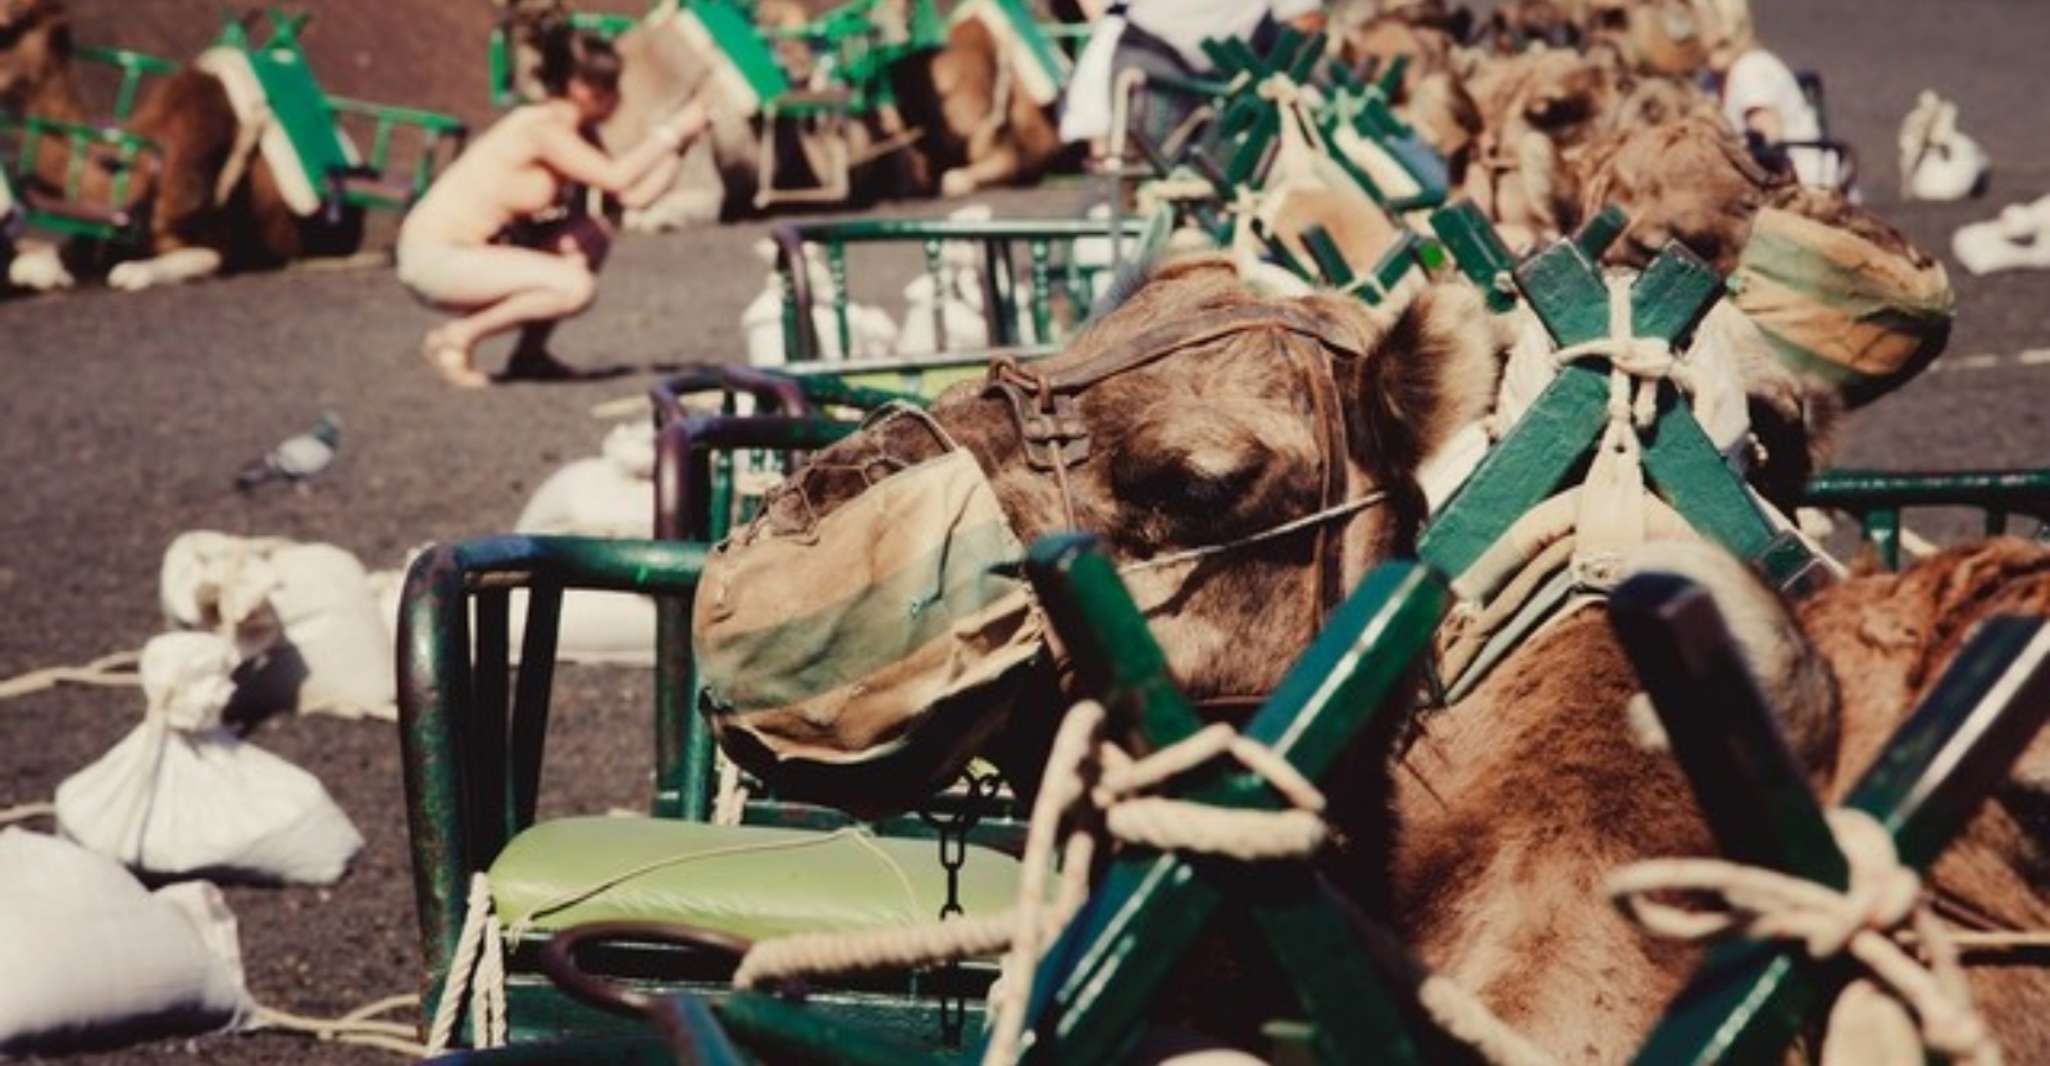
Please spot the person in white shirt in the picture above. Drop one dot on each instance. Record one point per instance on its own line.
(1165, 37)
(1762, 97)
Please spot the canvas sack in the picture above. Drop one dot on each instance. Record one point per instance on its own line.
(866, 677)
(1839, 306)
(180, 795)
(93, 958)
(268, 591)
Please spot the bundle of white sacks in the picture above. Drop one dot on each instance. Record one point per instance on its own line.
(180, 796)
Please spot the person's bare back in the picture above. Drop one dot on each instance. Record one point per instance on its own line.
(501, 178)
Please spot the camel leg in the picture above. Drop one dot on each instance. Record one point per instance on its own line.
(996, 168)
(38, 265)
(171, 268)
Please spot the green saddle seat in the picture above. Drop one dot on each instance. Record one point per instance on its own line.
(748, 881)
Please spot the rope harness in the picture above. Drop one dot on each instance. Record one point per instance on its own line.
(1869, 921)
(1574, 544)
(1103, 788)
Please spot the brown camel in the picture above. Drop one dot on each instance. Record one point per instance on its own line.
(213, 203)
(1480, 834)
(963, 137)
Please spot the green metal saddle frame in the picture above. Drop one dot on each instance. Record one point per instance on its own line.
(473, 734)
(1749, 1000)
(67, 211)
(1057, 295)
(1535, 458)
(312, 120)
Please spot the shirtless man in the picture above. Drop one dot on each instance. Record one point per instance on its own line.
(452, 252)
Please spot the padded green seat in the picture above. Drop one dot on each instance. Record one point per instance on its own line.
(748, 881)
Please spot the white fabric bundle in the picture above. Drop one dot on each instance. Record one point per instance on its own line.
(180, 795)
(609, 495)
(1938, 161)
(2019, 239)
(316, 596)
(92, 957)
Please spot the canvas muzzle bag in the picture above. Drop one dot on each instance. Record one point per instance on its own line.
(1839, 306)
(856, 651)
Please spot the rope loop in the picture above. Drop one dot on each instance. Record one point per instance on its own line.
(1871, 920)
(1094, 790)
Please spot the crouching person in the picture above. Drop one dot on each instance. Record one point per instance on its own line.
(502, 238)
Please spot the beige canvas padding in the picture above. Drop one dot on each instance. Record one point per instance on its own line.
(230, 66)
(1837, 304)
(868, 654)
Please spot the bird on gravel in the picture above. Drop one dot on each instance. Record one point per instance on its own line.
(296, 458)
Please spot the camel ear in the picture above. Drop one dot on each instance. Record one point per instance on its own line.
(1433, 371)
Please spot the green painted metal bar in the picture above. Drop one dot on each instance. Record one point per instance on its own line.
(1330, 261)
(492, 798)
(1520, 472)
(529, 734)
(1479, 252)
(436, 706)
(1252, 148)
(1749, 1000)
(1042, 292)
(1305, 64)
(1685, 467)
(134, 67)
(1098, 980)
(1723, 734)
(836, 268)
(1939, 764)
(1106, 638)
(789, 1032)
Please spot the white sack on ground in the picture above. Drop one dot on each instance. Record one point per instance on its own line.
(181, 795)
(316, 596)
(93, 959)
(1938, 162)
(608, 495)
(2017, 240)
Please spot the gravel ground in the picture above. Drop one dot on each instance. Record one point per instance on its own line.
(126, 416)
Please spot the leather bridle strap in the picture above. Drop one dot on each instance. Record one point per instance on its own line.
(1163, 341)
(1054, 435)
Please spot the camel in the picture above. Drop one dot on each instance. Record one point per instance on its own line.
(1478, 832)
(214, 202)
(1432, 96)
(969, 127)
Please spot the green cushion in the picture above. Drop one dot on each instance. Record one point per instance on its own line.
(749, 881)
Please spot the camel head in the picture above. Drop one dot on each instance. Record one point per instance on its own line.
(1651, 36)
(1222, 417)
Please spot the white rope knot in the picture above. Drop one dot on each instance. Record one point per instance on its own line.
(1280, 89)
(1868, 920)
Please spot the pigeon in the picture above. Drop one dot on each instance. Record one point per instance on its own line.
(297, 458)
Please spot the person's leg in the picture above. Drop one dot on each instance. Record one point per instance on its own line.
(499, 287)
(584, 239)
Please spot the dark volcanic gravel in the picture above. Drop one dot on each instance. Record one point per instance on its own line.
(126, 416)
